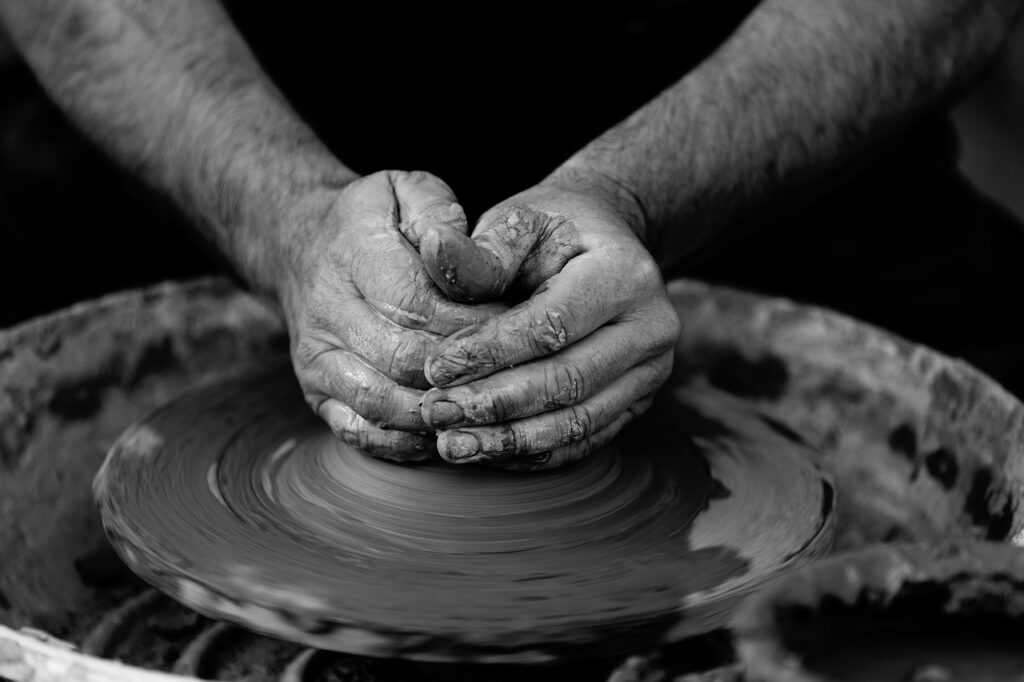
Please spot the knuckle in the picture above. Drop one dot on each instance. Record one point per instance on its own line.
(477, 406)
(646, 270)
(577, 425)
(498, 405)
(550, 332)
(565, 384)
(510, 440)
(475, 355)
(305, 355)
(344, 424)
(518, 218)
(673, 325)
(661, 327)
(315, 401)
(640, 274)
(392, 178)
(375, 403)
(393, 445)
(409, 298)
(317, 368)
(405, 358)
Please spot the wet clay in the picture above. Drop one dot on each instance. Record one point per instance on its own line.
(237, 501)
(916, 612)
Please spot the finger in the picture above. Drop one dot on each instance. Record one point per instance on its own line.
(352, 429)
(555, 429)
(485, 266)
(563, 379)
(395, 283)
(480, 268)
(393, 279)
(400, 290)
(424, 201)
(575, 303)
(349, 322)
(342, 375)
(576, 451)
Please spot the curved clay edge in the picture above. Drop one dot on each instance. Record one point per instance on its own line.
(883, 569)
(694, 295)
(167, 309)
(71, 317)
(949, 396)
(40, 652)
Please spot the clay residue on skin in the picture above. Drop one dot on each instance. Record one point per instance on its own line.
(547, 334)
(513, 255)
(459, 360)
(481, 268)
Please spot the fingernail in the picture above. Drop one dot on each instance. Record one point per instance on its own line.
(444, 413)
(456, 446)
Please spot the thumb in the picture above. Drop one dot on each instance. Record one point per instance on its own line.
(483, 267)
(422, 201)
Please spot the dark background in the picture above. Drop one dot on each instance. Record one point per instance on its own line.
(73, 226)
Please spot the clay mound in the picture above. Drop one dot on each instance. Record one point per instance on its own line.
(236, 500)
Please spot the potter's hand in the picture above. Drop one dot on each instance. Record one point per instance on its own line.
(558, 375)
(362, 312)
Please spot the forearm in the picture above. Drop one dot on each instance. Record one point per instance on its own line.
(784, 110)
(171, 91)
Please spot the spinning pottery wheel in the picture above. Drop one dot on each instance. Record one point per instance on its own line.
(921, 448)
(237, 501)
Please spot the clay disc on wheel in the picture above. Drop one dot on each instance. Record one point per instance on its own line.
(238, 502)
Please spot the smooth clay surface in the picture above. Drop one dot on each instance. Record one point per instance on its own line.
(237, 501)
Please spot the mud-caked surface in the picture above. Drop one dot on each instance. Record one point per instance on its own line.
(891, 612)
(69, 385)
(920, 446)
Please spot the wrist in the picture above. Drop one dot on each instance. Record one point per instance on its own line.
(619, 195)
(281, 216)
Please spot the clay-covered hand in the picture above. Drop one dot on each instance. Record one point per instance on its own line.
(362, 312)
(559, 374)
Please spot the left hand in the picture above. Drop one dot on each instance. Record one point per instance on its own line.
(558, 375)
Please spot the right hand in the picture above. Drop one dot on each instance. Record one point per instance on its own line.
(363, 314)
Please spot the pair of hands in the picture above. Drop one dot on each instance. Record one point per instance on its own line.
(398, 329)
